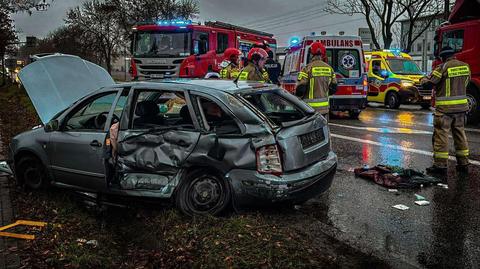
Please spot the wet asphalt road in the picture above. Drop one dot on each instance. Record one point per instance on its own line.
(444, 234)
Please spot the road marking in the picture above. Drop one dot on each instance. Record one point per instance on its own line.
(412, 124)
(384, 130)
(418, 151)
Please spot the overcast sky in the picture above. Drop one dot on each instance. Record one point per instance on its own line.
(284, 18)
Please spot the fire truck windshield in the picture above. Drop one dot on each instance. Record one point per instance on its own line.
(404, 67)
(162, 44)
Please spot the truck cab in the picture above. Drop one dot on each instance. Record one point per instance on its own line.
(345, 56)
(462, 33)
(394, 79)
(168, 49)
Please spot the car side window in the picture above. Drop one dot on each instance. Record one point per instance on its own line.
(216, 118)
(377, 67)
(91, 115)
(157, 109)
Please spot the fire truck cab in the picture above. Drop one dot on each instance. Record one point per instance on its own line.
(462, 33)
(345, 55)
(175, 48)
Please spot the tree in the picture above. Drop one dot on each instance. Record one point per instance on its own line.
(420, 15)
(384, 15)
(8, 37)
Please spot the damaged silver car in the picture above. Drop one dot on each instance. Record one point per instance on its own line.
(204, 144)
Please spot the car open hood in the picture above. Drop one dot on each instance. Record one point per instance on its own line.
(55, 82)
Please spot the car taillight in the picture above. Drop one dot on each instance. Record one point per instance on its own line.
(269, 161)
(365, 84)
(133, 68)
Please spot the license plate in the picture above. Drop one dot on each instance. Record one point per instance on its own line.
(427, 98)
(311, 139)
(157, 75)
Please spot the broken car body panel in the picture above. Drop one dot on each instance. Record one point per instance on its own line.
(55, 82)
(153, 159)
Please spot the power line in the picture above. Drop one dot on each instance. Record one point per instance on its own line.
(292, 18)
(314, 27)
(253, 22)
(292, 15)
(295, 21)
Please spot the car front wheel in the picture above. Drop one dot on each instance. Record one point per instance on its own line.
(392, 100)
(202, 193)
(31, 172)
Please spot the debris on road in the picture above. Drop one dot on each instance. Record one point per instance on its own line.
(422, 202)
(419, 197)
(4, 168)
(396, 177)
(19, 223)
(445, 186)
(401, 207)
(392, 190)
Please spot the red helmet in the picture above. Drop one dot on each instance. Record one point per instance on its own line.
(257, 53)
(317, 48)
(232, 52)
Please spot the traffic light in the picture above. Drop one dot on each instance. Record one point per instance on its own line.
(31, 41)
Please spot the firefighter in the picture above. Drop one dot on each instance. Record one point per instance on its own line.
(231, 64)
(317, 81)
(255, 71)
(450, 80)
(273, 68)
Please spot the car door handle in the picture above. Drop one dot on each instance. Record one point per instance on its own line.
(95, 143)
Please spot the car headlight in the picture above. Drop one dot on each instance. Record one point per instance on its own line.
(407, 83)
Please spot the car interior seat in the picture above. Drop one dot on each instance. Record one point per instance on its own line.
(148, 114)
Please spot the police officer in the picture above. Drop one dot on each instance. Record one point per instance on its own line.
(273, 68)
(255, 71)
(231, 64)
(317, 81)
(450, 80)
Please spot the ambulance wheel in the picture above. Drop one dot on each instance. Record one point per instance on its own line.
(203, 193)
(473, 97)
(392, 100)
(425, 106)
(354, 114)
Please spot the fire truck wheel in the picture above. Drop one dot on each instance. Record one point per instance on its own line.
(425, 106)
(473, 96)
(392, 100)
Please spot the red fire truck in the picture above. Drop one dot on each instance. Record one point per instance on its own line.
(462, 32)
(177, 48)
(345, 55)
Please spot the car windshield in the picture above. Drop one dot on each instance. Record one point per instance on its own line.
(150, 44)
(278, 106)
(404, 67)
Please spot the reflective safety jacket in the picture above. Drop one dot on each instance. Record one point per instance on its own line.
(450, 79)
(231, 71)
(253, 73)
(317, 77)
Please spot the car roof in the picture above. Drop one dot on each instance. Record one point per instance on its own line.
(200, 85)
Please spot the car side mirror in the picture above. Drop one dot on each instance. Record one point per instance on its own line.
(52, 126)
(384, 73)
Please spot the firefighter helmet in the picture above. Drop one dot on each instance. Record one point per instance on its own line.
(232, 52)
(317, 48)
(446, 52)
(255, 54)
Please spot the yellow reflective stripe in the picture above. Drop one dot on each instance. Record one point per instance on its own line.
(463, 153)
(319, 104)
(302, 75)
(321, 72)
(437, 74)
(243, 75)
(451, 102)
(458, 71)
(440, 155)
(224, 73)
(310, 92)
(447, 87)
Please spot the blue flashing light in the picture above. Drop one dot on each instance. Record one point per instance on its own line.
(180, 23)
(294, 41)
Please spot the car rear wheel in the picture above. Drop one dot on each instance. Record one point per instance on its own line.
(31, 172)
(202, 193)
(392, 100)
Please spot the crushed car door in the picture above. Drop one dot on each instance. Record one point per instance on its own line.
(55, 82)
(77, 149)
(153, 143)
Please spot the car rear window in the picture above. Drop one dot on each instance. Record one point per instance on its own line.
(278, 106)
